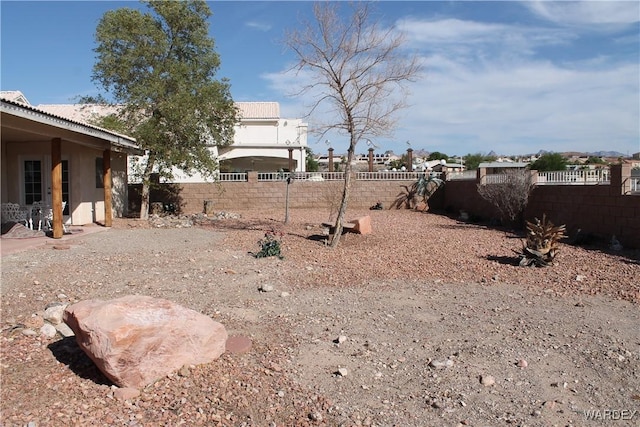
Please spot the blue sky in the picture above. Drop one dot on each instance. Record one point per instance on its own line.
(508, 77)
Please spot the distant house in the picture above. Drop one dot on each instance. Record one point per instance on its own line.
(47, 157)
(498, 167)
(263, 141)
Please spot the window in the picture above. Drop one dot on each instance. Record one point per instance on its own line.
(32, 181)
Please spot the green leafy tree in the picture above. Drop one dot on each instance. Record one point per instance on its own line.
(436, 155)
(472, 161)
(357, 69)
(311, 163)
(549, 162)
(399, 163)
(159, 67)
(593, 160)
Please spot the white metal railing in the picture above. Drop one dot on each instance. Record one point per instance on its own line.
(388, 176)
(576, 177)
(497, 178)
(300, 176)
(464, 175)
(232, 177)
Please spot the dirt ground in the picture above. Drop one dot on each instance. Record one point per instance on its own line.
(428, 321)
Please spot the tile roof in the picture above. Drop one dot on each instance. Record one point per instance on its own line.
(78, 112)
(122, 140)
(259, 110)
(15, 96)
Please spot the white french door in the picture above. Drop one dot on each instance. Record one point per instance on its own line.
(36, 181)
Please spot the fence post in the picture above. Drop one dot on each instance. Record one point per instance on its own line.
(331, 159)
(370, 159)
(481, 176)
(252, 176)
(621, 178)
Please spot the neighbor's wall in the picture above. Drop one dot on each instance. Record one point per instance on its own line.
(600, 210)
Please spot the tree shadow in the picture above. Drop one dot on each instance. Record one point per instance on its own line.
(506, 260)
(68, 352)
(322, 238)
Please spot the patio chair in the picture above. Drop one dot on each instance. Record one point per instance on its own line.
(13, 212)
(45, 215)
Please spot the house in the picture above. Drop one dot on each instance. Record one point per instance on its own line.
(498, 167)
(263, 141)
(54, 159)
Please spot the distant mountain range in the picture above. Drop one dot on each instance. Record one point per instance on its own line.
(583, 154)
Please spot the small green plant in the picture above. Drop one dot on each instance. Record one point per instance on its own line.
(270, 245)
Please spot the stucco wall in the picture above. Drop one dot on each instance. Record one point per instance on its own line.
(86, 204)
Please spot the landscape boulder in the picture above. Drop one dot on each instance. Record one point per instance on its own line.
(136, 340)
(362, 225)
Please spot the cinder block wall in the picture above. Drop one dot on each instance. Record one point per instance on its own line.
(600, 210)
(272, 195)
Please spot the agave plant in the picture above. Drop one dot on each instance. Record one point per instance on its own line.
(542, 244)
(419, 191)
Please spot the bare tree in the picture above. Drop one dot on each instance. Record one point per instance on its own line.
(358, 70)
(509, 194)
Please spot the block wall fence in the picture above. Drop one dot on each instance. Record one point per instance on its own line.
(601, 210)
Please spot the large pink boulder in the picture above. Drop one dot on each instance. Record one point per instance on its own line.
(135, 340)
(362, 225)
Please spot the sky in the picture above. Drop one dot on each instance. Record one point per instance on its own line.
(509, 77)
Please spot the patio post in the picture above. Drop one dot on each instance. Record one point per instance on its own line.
(106, 174)
(56, 187)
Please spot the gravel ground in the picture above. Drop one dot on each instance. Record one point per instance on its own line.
(426, 322)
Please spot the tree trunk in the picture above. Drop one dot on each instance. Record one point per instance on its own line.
(146, 187)
(345, 196)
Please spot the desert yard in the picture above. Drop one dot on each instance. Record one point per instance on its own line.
(428, 321)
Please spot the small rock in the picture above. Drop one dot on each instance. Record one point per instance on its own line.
(64, 330)
(29, 332)
(48, 330)
(343, 372)
(126, 393)
(522, 363)
(341, 339)
(284, 294)
(265, 287)
(441, 365)
(487, 380)
(184, 371)
(53, 314)
(580, 278)
(315, 416)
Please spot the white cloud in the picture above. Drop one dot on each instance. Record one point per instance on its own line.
(587, 12)
(487, 88)
(260, 26)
